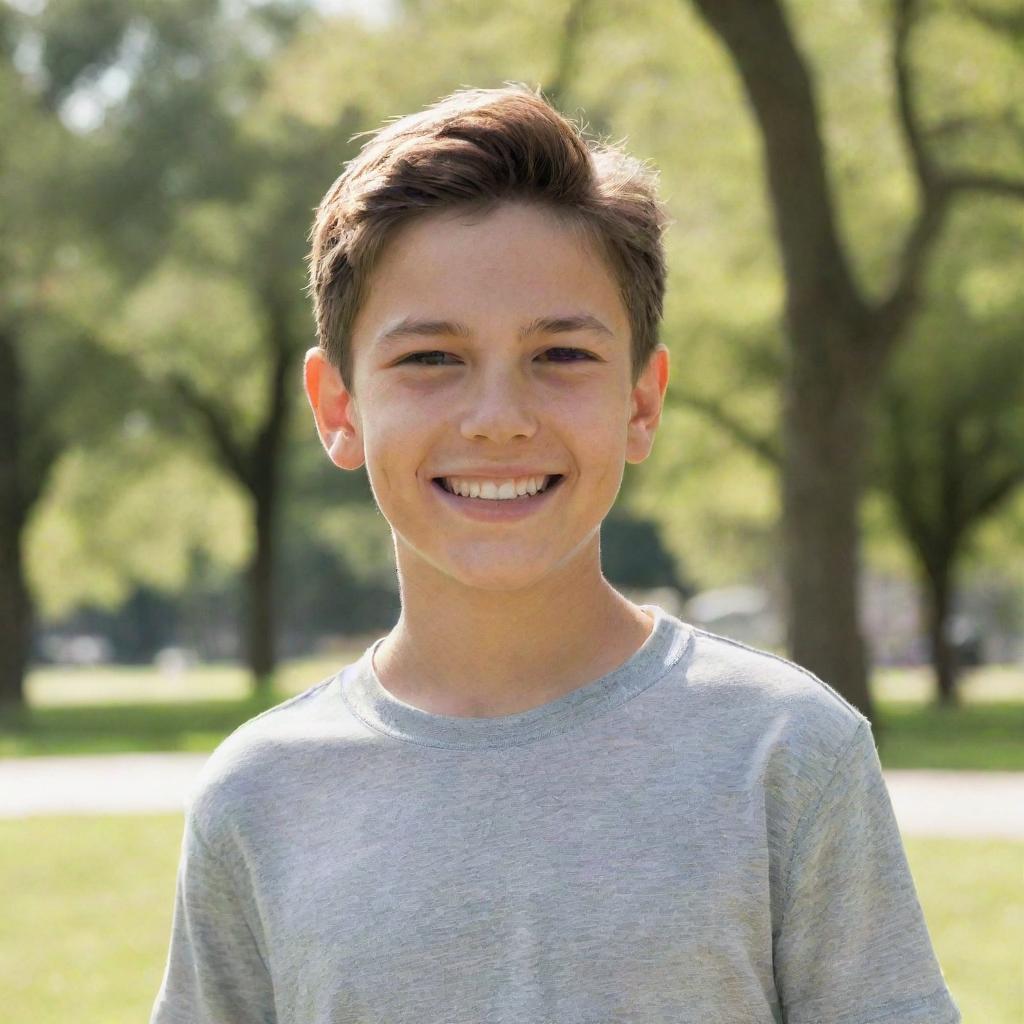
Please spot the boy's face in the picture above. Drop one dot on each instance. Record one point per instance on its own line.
(528, 374)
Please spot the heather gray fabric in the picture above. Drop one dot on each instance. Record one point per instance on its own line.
(702, 835)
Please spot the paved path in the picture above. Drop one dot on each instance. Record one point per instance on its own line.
(927, 803)
(96, 784)
(934, 803)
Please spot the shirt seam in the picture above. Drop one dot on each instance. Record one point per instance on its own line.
(810, 814)
(223, 869)
(523, 741)
(308, 693)
(784, 661)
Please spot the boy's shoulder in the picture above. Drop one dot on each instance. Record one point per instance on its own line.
(256, 757)
(774, 696)
(727, 662)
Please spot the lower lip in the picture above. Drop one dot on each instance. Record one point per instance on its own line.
(497, 510)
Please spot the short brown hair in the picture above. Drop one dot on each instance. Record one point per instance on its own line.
(475, 149)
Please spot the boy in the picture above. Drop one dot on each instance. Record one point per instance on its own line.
(532, 801)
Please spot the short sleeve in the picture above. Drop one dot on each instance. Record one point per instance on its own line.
(852, 946)
(215, 972)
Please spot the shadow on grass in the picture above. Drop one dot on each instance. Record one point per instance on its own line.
(196, 726)
(978, 737)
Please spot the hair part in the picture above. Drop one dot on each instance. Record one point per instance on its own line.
(473, 150)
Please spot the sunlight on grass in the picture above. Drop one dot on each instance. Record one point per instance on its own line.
(88, 905)
(55, 686)
(981, 685)
(973, 900)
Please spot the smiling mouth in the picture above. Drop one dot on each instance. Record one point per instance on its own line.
(552, 483)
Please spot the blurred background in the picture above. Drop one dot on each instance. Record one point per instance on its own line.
(839, 474)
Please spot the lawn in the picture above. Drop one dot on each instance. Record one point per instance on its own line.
(117, 709)
(88, 904)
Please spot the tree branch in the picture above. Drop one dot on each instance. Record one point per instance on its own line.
(959, 125)
(979, 181)
(905, 14)
(1007, 22)
(997, 492)
(282, 357)
(901, 475)
(572, 29)
(936, 187)
(892, 312)
(231, 454)
(41, 454)
(765, 447)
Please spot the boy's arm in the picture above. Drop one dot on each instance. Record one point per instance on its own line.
(852, 946)
(215, 969)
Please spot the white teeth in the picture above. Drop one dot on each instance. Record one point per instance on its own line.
(497, 490)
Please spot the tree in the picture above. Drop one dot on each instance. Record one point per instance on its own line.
(839, 339)
(170, 151)
(56, 380)
(229, 280)
(949, 451)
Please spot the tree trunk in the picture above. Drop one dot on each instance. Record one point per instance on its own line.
(15, 617)
(260, 620)
(262, 478)
(831, 363)
(823, 441)
(15, 602)
(938, 591)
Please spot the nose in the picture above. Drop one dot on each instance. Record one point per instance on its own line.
(499, 409)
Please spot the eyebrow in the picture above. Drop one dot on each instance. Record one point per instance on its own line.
(410, 327)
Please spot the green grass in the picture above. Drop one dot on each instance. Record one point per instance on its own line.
(973, 900)
(88, 901)
(196, 726)
(981, 737)
(115, 710)
(58, 686)
(87, 914)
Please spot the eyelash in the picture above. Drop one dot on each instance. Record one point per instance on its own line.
(415, 356)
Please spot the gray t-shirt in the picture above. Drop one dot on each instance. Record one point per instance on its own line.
(703, 835)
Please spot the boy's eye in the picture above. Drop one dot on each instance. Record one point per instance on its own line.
(422, 358)
(571, 352)
(563, 355)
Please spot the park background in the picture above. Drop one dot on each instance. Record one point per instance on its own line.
(837, 477)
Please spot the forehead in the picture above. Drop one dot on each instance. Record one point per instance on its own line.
(507, 266)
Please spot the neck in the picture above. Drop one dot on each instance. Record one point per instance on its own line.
(467, 652)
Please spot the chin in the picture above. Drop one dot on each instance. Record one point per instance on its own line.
(488, 567)
(495, 579)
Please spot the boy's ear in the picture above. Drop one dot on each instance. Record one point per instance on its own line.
(337, 420)
(645, 410)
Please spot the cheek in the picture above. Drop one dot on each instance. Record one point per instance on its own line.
(396, 443)
(599, 420)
